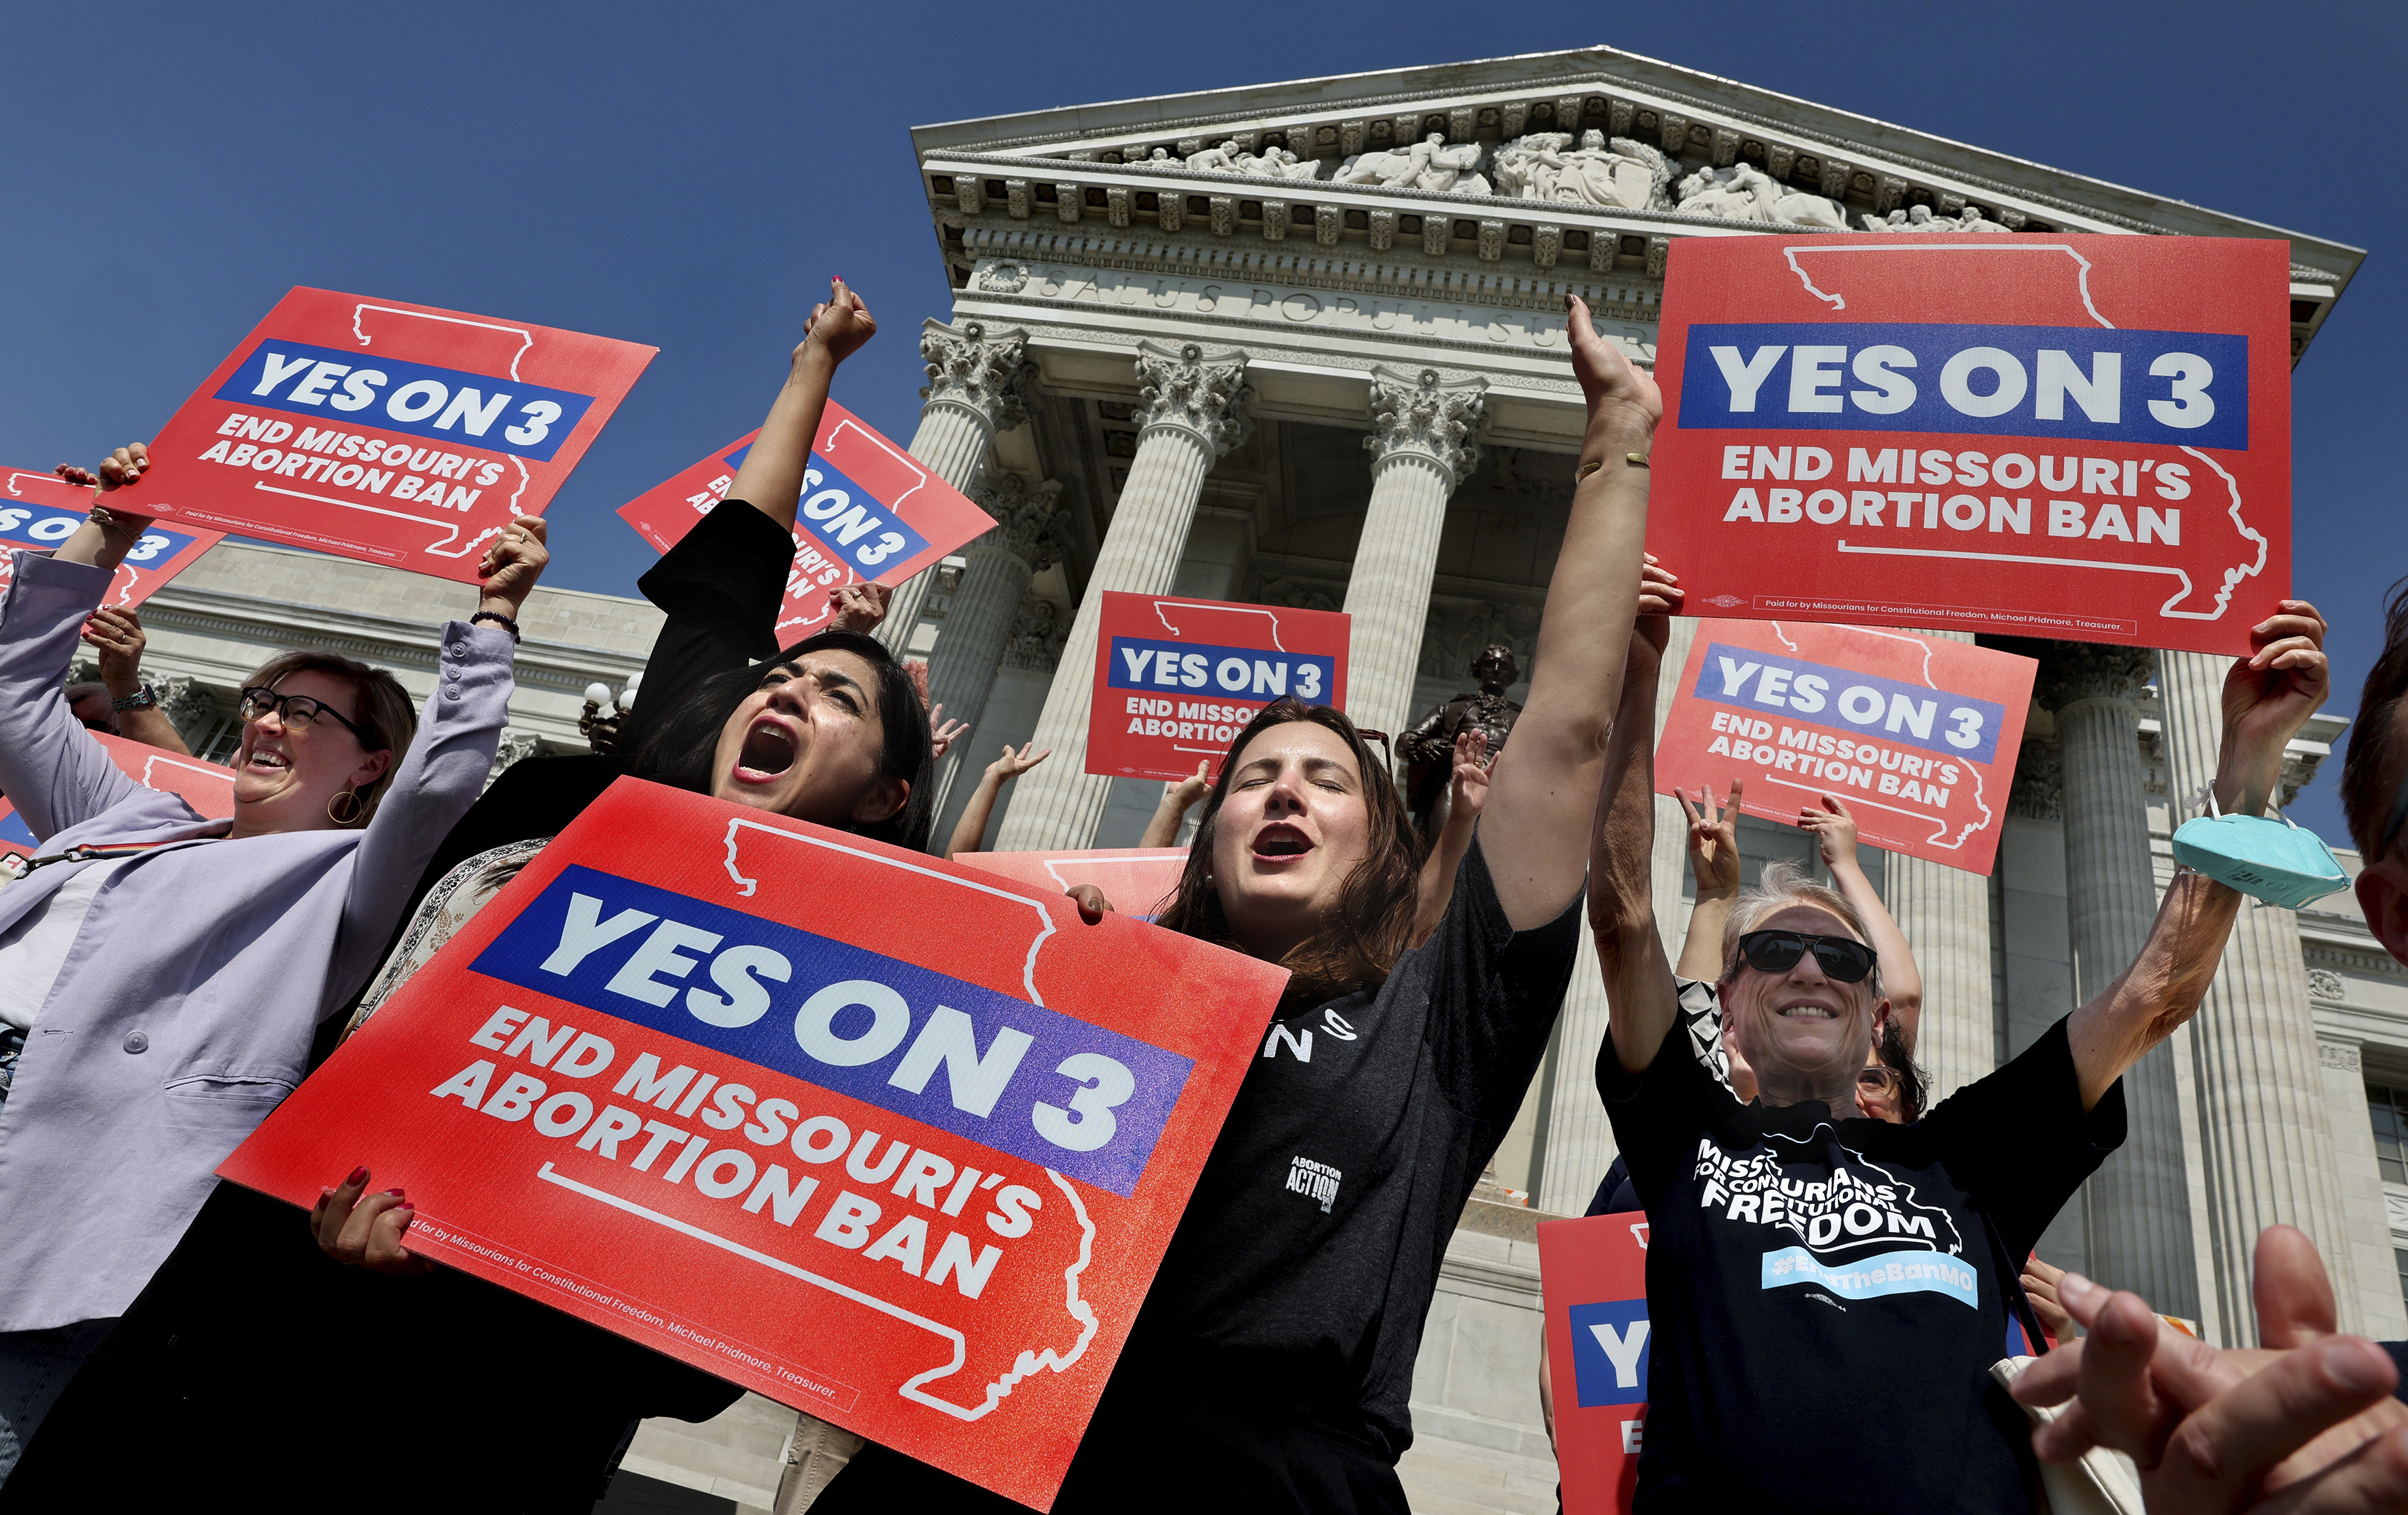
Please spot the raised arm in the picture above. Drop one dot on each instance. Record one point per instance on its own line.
(1170, 811)
(771, 478)
(1835, 829)
(1543, 792)
(1713, 862)
(1641, 1001)
(1469, 796)
(448, 761)
(2267, 697)
(970, 833)
(117, 636)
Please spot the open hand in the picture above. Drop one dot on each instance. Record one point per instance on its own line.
(943, 734)
(1659, 601)
(365, 1230)
(1470, 779)
(1713, 838)
(1012, 765)
(512, 563)
(1833, 828)
(837, 326)
(2039, 1281)
(1623, 405)
(1179, 793)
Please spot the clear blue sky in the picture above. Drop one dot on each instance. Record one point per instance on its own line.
(689, 175)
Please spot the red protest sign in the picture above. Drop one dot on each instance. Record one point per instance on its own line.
(1592, 1280)
(38, 510)
(1176, 679)
(1917, 736)
(1139, 880)
(2083, 437)
(392, 433)
(889, 1140)
(207, 787)
(870, 513)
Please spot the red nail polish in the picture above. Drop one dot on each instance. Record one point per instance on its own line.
(394, 1192)
(359, 1176)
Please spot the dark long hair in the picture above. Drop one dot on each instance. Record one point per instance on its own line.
(679, 748)
(1914, 1086)
(2373, 758)
(1356, 947)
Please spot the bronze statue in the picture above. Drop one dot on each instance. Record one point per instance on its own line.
(1428, 751)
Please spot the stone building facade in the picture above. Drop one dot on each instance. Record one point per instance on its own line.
(1300, 344)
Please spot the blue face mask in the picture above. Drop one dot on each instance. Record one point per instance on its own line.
(2273, 860)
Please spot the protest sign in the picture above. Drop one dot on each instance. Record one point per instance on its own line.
(1593, 1282)
(392, 433)
(870, 513)
(1176, 679)
(1137, 879)
(207, 787)
(1917, 736)
(892, 1141)
(38, 510)
(2083, 437)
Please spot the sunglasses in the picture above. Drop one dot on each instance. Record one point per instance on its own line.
(296, 711)
(1843, 959)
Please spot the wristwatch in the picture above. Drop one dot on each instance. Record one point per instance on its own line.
(142, 699)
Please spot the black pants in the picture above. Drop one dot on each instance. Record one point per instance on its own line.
(1146, 1453)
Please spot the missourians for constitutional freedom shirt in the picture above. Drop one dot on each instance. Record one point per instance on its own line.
(1827, 1295)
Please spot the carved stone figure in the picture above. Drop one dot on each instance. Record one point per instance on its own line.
(1279, 162)
(1544, 165)
(1428, 751)
(1428, 164)
(1920, 218)
(1746, 192)
(1222, 158)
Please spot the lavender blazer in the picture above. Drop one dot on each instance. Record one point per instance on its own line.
(184, 1011)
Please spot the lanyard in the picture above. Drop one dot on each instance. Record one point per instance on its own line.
(17, 865)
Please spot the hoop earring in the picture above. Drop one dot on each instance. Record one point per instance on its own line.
(351, 811)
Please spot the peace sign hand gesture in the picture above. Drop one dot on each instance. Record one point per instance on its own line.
(1714, 839)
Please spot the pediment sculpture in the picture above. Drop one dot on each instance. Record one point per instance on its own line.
(1920, 218)
(1225, 158)
(1622, 175)
(1428, 164)
(1746, 192)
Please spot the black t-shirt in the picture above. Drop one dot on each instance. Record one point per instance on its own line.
(1307, 1257)
(1615, 1194)
(1827, 1297)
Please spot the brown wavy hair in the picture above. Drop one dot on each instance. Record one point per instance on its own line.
(1357, 945)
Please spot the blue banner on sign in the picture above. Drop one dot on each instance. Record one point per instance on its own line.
(2086, 383)
(1610, 1352)
(1016, 1076)
(850, 523)
(1240, 673)
(444, 405)
(44, 527)
(1886, 709)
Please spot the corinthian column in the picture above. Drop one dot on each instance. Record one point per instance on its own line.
(2139, 1215)
(2265, 1135)
(978, 386)
(1191, 410)
(1421, 445)
(1945, 914)
(1026, 540)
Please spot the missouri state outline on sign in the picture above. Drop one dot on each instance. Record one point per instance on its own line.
(2081, 437)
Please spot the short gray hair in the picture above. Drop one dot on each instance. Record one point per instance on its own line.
(1781, 885)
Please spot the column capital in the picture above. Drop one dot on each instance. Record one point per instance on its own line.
(1203, 394)
(985, 373)
(1038, 630)
(2077, 671)
(1027, 518)
(1426, 416)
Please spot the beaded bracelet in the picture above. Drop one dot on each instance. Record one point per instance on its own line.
(497, 618)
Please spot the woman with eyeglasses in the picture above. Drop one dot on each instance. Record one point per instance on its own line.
(1271, 1366)
(1797, 1248)
(219, 1359)
(160, 975)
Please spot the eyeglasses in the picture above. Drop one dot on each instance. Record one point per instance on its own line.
(296, 711)
(1843, 959)
(1369, 735)
(1873, 1081)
